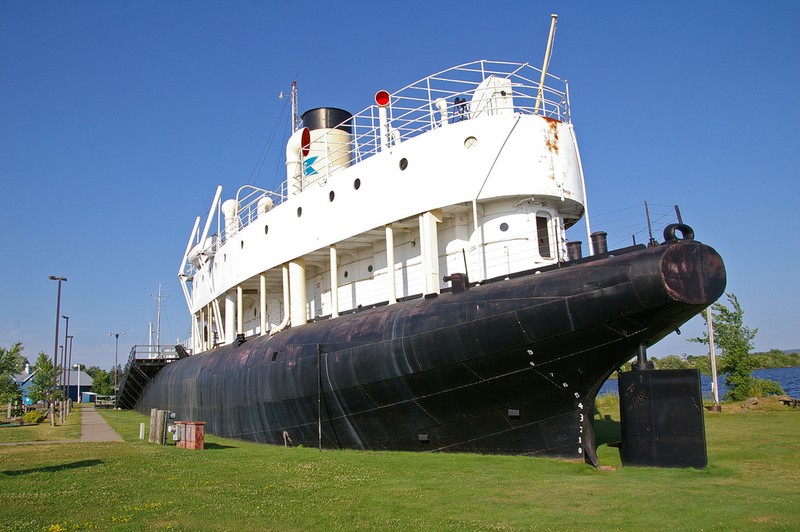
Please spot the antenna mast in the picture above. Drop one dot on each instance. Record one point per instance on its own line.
(158, 297)
(548, 51)
(295, 118)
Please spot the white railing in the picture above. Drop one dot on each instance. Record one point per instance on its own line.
(415, 109)
(435, 101)
(152, 352)
(251, 202)
(250, 199)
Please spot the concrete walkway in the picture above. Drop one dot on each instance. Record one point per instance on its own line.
(94, 427)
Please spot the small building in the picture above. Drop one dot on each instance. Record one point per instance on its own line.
(77, 378)
(24, 381)
(73, 379)
(88, 397)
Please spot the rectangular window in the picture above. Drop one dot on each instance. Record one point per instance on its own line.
(543, 235)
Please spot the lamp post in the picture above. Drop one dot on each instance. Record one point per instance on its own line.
(713, 355)
(116, 356)
(55, 347)
(64, 367)
(78, 367)
(57, 393)
(69, 365)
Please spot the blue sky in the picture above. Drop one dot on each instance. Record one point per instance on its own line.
(118, 120)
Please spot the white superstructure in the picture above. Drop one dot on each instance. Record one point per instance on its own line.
(473, 170)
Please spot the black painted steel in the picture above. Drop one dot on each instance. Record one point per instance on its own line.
(505, 367)
(327, 118)
(661, 416)
(574, 250)
(599, 242)
(135, 379)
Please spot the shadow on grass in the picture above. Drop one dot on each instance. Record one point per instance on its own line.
(52, 469)
(606, 430)
(216, 446)
(206, 446)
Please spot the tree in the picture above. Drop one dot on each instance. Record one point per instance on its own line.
(42, 382)
(776, 358)
(701, 362)
(101, 380)
(735, 340)
(670, 362)
(11, 362)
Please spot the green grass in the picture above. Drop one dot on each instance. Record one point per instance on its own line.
(752, 482)
(70, 430)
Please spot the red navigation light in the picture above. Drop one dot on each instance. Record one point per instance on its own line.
(382, 98)
(305, 141)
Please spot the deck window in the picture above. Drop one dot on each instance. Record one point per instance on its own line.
(543, 235)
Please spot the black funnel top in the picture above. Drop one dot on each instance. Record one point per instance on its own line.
(327, 118)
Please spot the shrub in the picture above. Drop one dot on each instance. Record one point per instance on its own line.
(34, 416)
(765, 387)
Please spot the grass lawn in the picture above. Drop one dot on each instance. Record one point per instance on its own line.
(70, 430)
(752, 482)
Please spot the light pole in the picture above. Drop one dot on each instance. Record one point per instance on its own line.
(69, 373)
(55, 348)
(64, 367)
(116, 356)
(55, 368)
(78, 366)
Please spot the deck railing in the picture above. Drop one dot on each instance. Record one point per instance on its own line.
(452, 95)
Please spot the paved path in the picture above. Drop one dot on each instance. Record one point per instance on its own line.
(94, 427)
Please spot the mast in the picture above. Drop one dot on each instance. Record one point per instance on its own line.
(158, 320)
(158, 297)
(295, 118)
(546, 61)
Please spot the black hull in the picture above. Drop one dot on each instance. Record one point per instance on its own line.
(510, 366)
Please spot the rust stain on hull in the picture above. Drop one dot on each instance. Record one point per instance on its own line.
(551, 142)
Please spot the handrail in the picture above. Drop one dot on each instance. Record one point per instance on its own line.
(413, 111)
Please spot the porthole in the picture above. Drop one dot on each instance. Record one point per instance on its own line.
(299, 212)
(266, 229)
(345, 274)
(369, 268)
(470, 142)
(331, 195)
(504, 227)
(357, 184)
(403, 163)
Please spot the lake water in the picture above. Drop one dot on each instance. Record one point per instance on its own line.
(788, 378)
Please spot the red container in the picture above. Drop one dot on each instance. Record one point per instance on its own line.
(192, 434)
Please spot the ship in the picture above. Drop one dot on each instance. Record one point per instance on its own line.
(410, 286)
